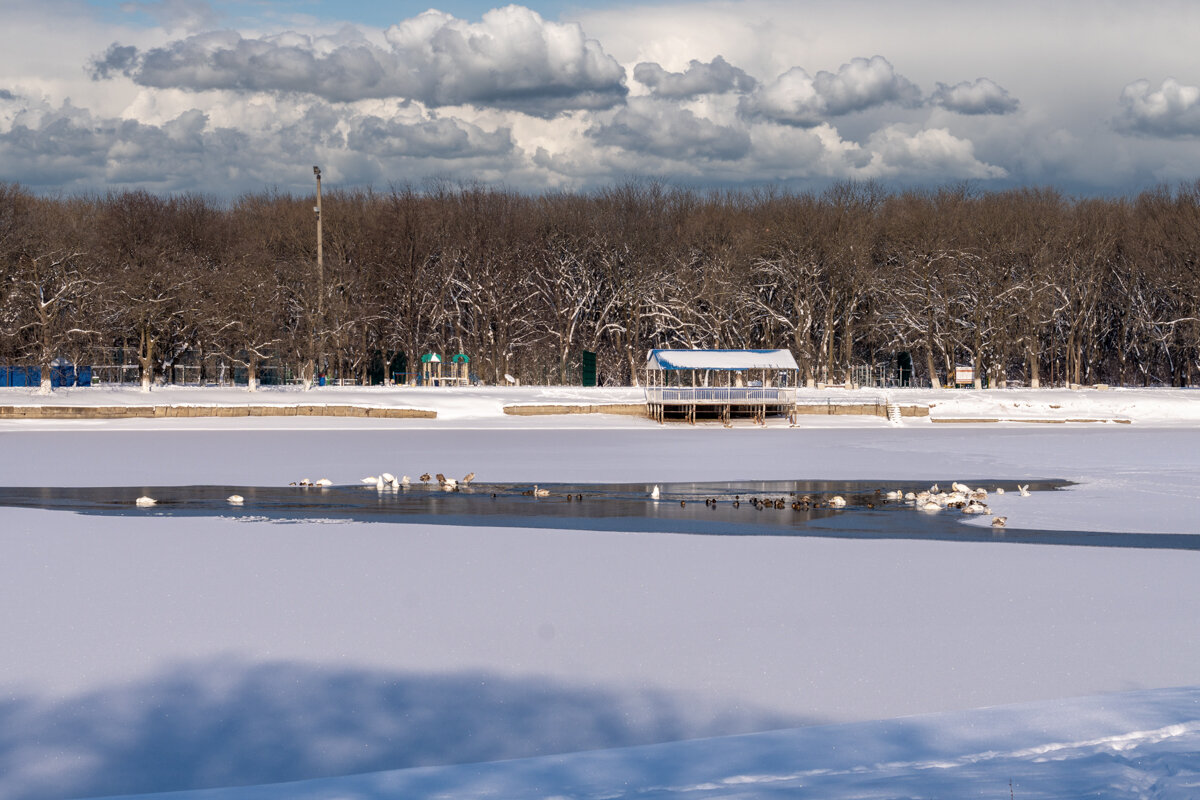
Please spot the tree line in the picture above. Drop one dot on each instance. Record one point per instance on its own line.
(1027, 285)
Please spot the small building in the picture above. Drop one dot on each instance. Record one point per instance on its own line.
(720, 383)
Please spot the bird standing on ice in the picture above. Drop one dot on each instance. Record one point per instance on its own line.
(655, 493)
(1024, 490)
(145, 501)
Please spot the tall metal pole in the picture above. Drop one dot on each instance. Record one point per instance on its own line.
(320, 344)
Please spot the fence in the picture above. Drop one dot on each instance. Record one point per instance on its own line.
(721, 395)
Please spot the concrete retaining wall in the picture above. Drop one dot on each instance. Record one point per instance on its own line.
(627, 409)
(134, 412)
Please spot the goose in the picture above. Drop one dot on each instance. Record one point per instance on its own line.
(425, 478)
(1024, 490)
(145, 501)
(441, 478)
(999, 522)
(837, 501)
(655, 493)
(235, 499)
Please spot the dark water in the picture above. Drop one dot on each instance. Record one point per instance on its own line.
(592, 507)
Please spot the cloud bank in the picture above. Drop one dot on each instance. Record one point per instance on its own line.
(1172, 110)
(512, 58)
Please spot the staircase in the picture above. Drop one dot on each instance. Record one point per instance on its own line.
(893, 413)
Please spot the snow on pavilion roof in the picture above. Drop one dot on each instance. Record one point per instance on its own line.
(721, 359)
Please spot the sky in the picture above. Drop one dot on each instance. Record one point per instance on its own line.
(1092, 97)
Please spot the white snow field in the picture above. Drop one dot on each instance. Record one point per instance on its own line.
(151, 654)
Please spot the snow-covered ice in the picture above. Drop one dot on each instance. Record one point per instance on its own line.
(144, 654)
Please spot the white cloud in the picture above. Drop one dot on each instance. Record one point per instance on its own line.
(1171, 110)
(668, 131)
(715, 77)
(512, 58)
(795, 98)
(929, 155)
(980, 96)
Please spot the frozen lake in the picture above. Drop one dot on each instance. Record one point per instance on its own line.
(165, 649)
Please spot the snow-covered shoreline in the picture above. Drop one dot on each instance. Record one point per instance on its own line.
(1154, 406)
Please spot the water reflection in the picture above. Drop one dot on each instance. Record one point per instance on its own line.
(682, 508)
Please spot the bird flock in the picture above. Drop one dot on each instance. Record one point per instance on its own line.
(961, 497)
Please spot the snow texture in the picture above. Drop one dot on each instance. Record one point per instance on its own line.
(151, 654)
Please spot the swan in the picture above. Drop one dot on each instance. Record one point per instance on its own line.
(450, 485)
(235, 499)
(837, 501)
(910, 496)
(470, 476)
(655, 493)
(540, 492)
(388, 478)
(322, 482)
(305, 482)
(145, 501)
(999, 490)
(930, 506)
(370, 480)
(379, 484)
(896, 495)
(1024, 490)
(934, 489)
(405, 480)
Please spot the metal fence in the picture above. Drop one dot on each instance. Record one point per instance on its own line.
(721, 395)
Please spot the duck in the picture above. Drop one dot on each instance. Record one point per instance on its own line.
(145, 501)
(999, 522)
(235, 499)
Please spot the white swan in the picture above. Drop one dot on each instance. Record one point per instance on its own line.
(145, 501)
(379, 484)
(370, 480)
(405, 480)
(655, 493)
(322, 482)
(930, 506)
(896, 495)
(388, 478)
(540, 492)
(235, 499)
(837, 501)
(1024, 490)
(999, 490)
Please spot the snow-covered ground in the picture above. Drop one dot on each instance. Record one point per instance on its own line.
(147, 654)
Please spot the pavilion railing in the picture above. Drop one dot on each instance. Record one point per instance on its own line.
(721, 395)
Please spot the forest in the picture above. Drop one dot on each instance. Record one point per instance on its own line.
(1027, 286)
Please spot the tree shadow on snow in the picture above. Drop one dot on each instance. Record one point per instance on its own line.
(228, 723)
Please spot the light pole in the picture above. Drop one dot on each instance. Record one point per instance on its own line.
(320, 280)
